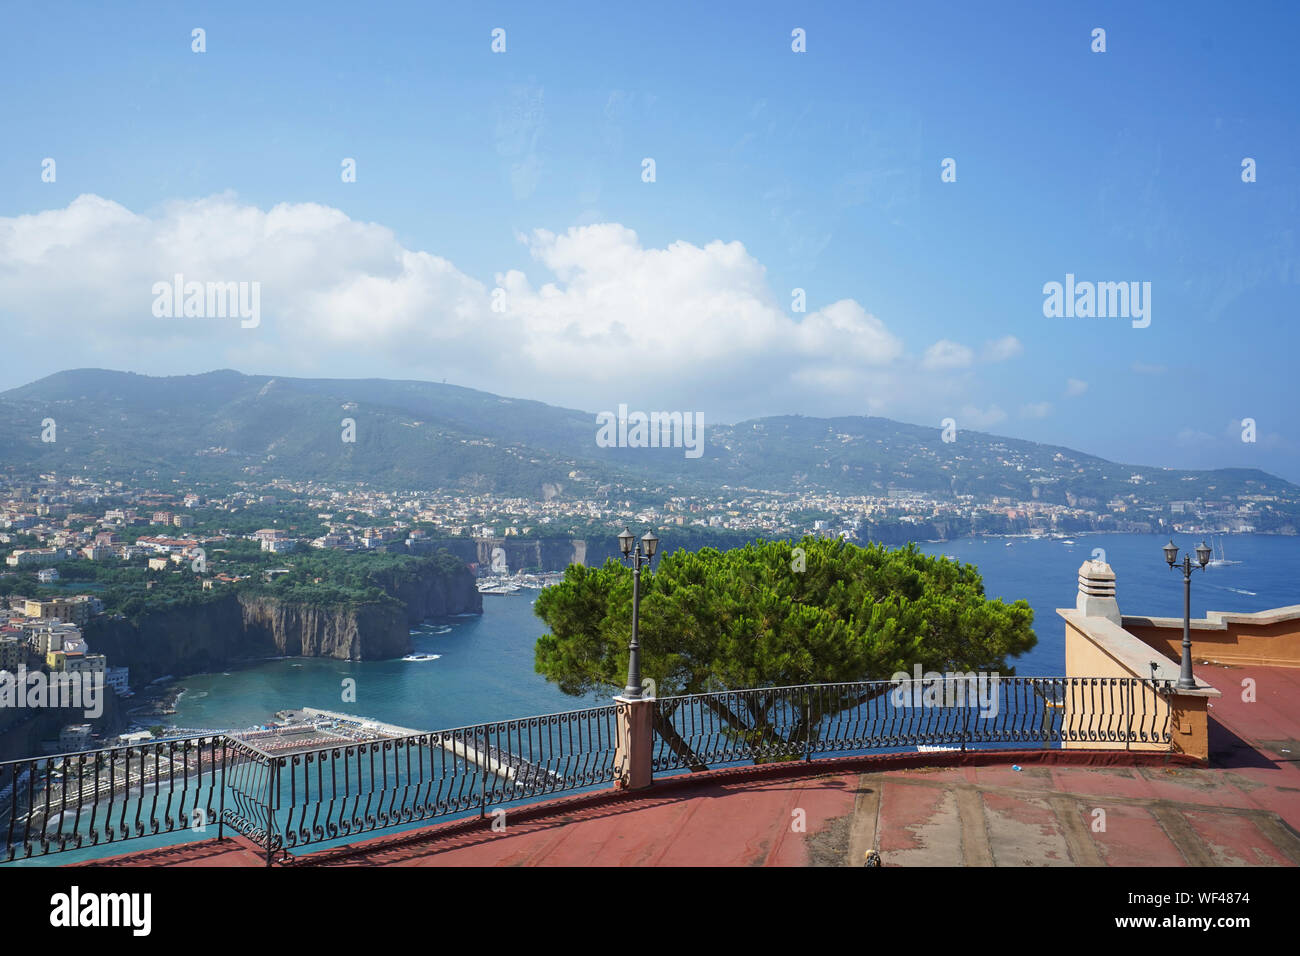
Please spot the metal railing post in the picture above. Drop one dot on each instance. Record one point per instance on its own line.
(273, 789)
(807, 724)
(221, 808)
(484, 771)
(1132, 709)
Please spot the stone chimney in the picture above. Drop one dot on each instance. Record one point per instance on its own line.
(1097, 592)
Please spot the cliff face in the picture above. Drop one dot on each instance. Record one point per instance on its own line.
(367, 632)
(176, 641)
(522, 554)
(239, 625)
(431, 591)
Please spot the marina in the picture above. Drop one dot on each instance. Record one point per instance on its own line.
(311, 728)
(500, 585)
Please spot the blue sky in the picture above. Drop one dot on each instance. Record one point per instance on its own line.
(775, 170)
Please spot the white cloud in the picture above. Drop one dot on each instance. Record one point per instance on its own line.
(1194, 436)
(1075, 387)
(1036, 410)
(597, 319)
(999, 350)
(973, 417)
(946, 354)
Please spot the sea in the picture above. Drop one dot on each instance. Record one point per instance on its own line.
(483, 669)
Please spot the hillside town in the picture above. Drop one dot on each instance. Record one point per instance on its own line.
(57, 519)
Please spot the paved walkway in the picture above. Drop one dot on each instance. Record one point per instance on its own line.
(1242, 810)
(973, 816)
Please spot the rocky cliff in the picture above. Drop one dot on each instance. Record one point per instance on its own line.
(240, 625)
(530, 554)
(433, 589)
(295, 629)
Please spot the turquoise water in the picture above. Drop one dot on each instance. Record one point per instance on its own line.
(485, 671)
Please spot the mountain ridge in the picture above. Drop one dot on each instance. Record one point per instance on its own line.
(224, 424)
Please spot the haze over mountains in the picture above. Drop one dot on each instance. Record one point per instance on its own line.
(224, 425)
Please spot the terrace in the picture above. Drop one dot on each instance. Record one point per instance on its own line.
(1112, 764)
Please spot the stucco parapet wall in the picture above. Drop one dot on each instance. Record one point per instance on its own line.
(1133, 655)
(1219, 620)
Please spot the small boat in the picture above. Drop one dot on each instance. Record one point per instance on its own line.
(421, 657)
(1068, 541)
(1220, 558)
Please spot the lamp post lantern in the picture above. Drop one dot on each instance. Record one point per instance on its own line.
(639, 551)
(1186, 680)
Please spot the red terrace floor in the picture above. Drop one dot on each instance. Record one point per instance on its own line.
(1242, 810)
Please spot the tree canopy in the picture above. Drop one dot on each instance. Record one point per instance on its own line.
(775, 613)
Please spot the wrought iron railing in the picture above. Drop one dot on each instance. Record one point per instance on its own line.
(194, 788)
(178, 790)
(329, 793)
(249, 788)
(795, 723)
(70, 801)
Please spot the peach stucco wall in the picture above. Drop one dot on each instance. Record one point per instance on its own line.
(1271, 645)
(1129, 714)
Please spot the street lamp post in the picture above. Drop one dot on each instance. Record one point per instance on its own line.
(1186, 680)
(638, 551)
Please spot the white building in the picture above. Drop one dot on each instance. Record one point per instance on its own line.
(75, 737)
(52, 636)
(118, 678)
(24, 557)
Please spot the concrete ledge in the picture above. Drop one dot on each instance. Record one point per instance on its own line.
(1219, 620)
(1133, 655)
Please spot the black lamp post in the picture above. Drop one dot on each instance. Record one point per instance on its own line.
(1186, 680)
(640, 551)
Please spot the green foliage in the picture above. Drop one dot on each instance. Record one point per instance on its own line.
(332, 577)
(745, 618)
(323, 578)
